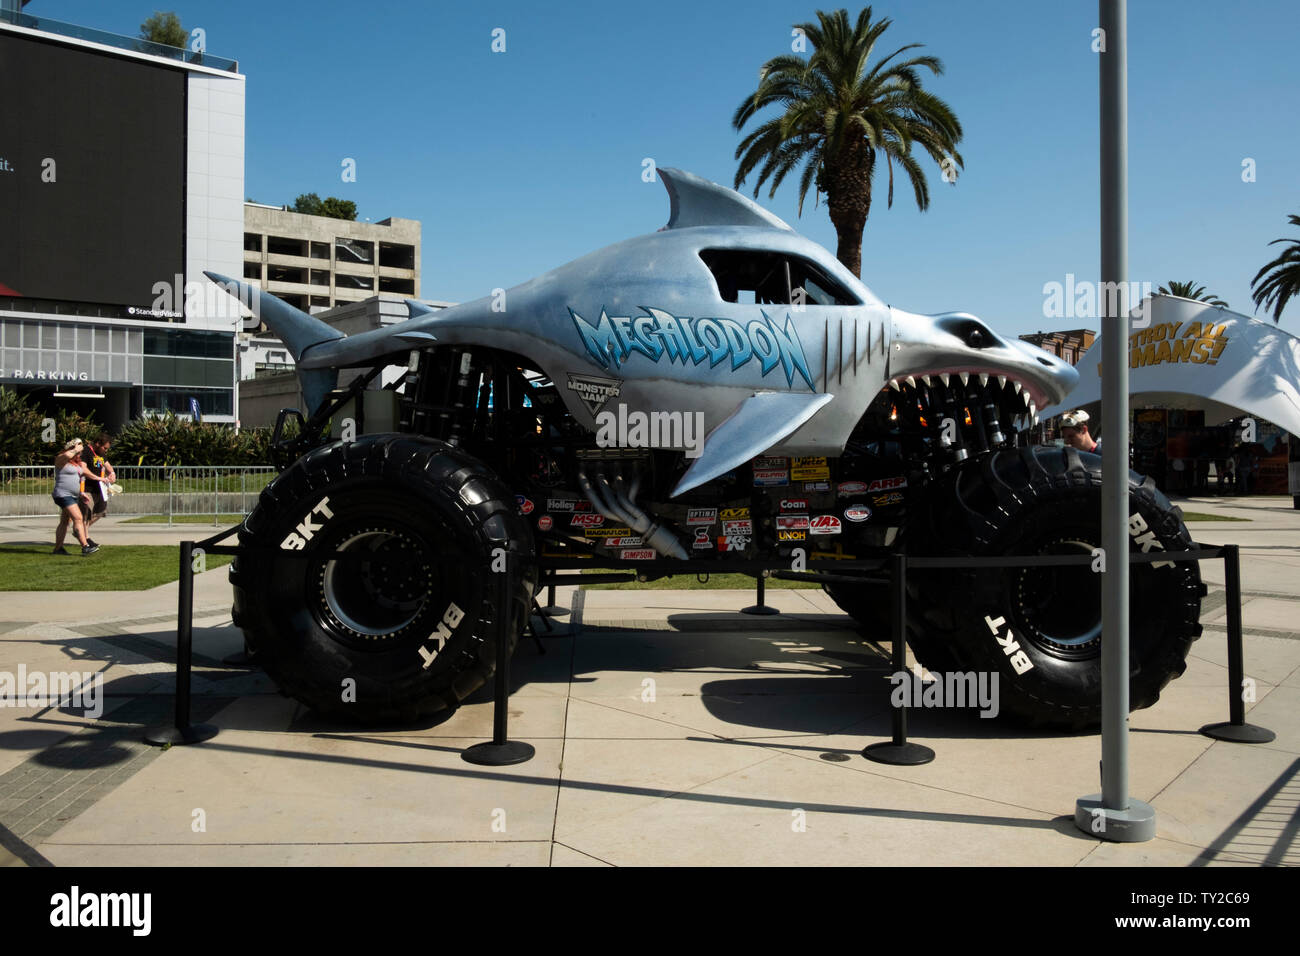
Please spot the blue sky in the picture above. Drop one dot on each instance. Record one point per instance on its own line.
(517, 162)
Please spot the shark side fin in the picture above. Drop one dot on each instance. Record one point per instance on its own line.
(695, 201)
(295, 328)
(758, 423)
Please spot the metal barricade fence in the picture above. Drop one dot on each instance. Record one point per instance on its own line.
(172, 491)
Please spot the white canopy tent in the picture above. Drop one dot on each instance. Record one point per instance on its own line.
(1192, 355)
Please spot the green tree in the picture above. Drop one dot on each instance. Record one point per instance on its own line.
(840, 115)
(1190, 290)
(165, 28)
(1279, 280)
(333, 207)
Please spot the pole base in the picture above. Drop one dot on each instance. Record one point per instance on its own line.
(554, 610)
(170, 734)
(1239, 733)
(900, 755)
(1136, 824)
(240, 659)
(759, 609)
(498, 755)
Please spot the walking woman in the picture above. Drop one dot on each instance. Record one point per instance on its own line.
(68, 473)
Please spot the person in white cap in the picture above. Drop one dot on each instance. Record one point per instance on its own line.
(1074, 429)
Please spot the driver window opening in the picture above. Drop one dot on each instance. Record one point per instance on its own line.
(750, 276)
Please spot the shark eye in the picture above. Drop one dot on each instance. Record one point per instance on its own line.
(969, 330)
(975, 339)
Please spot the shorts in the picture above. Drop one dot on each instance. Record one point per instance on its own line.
(65, 501)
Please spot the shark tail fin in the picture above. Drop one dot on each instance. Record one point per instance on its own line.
(295, 328)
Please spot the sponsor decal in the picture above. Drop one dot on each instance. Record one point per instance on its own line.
(560, 504)
(701, 516)
(631, 541)
(544, 523)
(824, 524)
(733, 542)
(660, 335)
(1010, 646)
(888, 500)
(1200, 344)
(850, 488)
(794, 504)
(887, 484)
(587, 520)
(816, 486)
(451, 619)
(792, 522)
(765, 463)
(791, 535)
(582, 504)
(734, 514)
(594, 391)
(525, 505)
(740, 526)
(857, 512)
(606, 532)
(767, 477)
(809, 469)
(637, 554)
(702, 540)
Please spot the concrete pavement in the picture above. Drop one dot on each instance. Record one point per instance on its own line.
(669, 730)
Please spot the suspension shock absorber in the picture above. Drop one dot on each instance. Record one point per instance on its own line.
(463, 396)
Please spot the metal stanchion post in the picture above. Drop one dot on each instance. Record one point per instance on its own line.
(183, 732)
(1236, 729)
(552, 609)
(898, 751)
(761, 607)
(501, 751)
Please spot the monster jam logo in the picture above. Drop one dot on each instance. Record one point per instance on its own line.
(593, 391)
(660, 334)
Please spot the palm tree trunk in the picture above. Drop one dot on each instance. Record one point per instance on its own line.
(848, 200)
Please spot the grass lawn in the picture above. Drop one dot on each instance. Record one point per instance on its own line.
(1202, 516)
(128, 567)
(186, 519)
(688, 582)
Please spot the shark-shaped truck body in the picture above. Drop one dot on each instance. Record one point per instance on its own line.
(722, 392)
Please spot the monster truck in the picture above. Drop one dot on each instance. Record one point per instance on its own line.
(719, 394)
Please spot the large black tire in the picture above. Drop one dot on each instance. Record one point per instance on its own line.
(870, 605)
(406, 628)
(1039, 629)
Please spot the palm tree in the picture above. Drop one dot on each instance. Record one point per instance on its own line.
(839, 116)
(1284, 282)
(1190, 290)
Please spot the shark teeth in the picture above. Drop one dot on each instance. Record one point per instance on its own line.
(1002, 381)
(911, 382)
(965, 377)
(1017, 386)
(1035, 419)
(943, 377)
(1025, 396)
(926, 380)
(1033, 411)
(893, 383)
(984, 378)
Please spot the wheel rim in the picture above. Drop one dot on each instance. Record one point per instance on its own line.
(381, 588)
(1060, 607)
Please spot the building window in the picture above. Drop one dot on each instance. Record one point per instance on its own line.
(285, 274)
(320, 250)
(396, 256)
(354, 250)
(283, 246)
(252, 242)
(342, 281)
(320, 277)
(158, 401)
(399, 286)
(253, 270)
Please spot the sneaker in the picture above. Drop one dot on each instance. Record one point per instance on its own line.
(91, 542)
(89, 549)
(60, 550)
